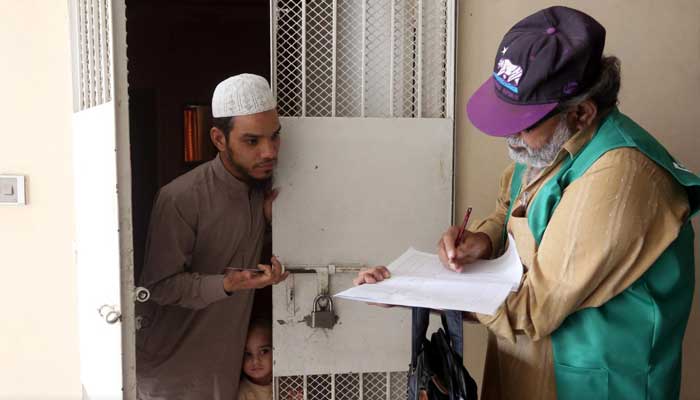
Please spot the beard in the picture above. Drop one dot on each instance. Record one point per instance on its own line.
(521, 153)
(254, 183)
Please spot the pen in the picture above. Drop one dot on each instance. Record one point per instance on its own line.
(255, 271)
(462, 229)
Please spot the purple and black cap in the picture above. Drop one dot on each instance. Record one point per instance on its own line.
(546, 58)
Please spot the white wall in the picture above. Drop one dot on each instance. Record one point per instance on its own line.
(659, 47)
(38, 326)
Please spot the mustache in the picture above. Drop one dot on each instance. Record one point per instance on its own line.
(515, 141)
(266, 161)
(520, 152)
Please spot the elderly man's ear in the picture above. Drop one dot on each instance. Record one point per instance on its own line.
(582, 116)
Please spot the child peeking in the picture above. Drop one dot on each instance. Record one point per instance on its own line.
(256, 382)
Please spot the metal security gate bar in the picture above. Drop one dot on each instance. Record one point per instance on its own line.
(359, 386)
(363, 58)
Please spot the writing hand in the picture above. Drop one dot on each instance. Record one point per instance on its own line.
(474, 246)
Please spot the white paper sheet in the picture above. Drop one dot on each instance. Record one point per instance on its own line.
(418, 279)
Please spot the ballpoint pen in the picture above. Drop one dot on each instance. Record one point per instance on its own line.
(463, 228)
(255, 271)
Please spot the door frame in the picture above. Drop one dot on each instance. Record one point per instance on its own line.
(126, 241)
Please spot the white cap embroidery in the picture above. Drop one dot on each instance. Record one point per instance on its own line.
(242, 94)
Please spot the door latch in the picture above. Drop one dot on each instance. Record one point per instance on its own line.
(322, 312)
(110, 313)
(323, 272)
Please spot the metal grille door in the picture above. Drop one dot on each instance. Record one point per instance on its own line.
(365, 91)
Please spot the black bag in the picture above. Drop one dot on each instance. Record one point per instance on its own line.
(437, 371)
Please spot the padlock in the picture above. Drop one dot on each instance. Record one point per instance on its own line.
(323, 317)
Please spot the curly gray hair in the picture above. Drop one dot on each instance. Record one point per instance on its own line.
(604, 91)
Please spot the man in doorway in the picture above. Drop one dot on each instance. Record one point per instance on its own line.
(600, 214)
(204, 245)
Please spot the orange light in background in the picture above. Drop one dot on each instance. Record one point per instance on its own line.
(197, 145)
(190, 134)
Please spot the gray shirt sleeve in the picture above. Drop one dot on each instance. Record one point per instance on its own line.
(171, 240)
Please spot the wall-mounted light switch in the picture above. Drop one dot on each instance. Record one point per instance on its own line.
(12, 190)
(7, 189)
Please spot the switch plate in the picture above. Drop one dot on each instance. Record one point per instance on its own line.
(12, 191)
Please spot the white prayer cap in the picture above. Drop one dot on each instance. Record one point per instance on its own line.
(242, 94)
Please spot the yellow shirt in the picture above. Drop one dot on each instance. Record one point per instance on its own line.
(248, 390)
(609, 227)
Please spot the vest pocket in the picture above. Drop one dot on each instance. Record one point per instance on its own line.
(574, 383)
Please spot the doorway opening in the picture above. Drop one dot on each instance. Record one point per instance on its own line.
(178, 51)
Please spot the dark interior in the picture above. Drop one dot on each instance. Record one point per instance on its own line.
(178, 51)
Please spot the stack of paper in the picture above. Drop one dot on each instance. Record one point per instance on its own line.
(419, 280)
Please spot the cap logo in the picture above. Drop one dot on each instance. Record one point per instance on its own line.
(570, 88)
(508, 74)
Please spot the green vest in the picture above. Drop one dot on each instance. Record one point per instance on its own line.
(631, 346)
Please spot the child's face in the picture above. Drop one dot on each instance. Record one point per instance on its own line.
(257, 359)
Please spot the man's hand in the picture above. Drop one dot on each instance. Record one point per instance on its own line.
(270, 197)
(265, 275)
(474, 246)
(371, 275)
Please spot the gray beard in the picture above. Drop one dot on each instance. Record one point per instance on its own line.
(543, 157)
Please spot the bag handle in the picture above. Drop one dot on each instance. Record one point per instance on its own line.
(451, 323)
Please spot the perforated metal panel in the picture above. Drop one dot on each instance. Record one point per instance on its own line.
(349, 54)
(94, 72)
(289, 61)
(433, 56)
(348, 386)
(362, 58)
(398, 385)
(405, 79)
(360, 386)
